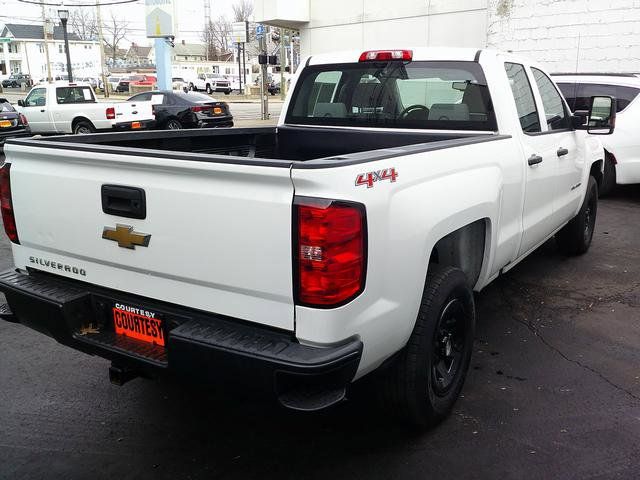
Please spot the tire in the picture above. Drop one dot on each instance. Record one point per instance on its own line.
(173, 124)
(575, 237)
(608, 178)
(83, 127)
(192, 87)
(208, 89)
(227, 92)
(423, 383)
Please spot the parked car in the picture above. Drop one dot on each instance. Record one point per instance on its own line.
(210, 82)
(135, 80)
(179, 83)
(622, 163)
(95, 82)
(113, 82)
(64, 107)
(297, 259)
(274, 88)
(175, 110)
(16, 80)
(12, 123)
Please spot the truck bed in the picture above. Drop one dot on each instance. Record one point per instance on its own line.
(266, 145)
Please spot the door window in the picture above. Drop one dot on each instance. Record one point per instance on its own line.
(555, 113)
(37, 98)
(523, 96)
(66, 95)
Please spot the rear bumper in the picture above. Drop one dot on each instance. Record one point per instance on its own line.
(201, 346)
(144, 125)
(216, 122)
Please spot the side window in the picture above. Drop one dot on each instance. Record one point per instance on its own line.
(582, 93)
(523, 96)
(322, 100)
(37, 98)
(556, 115)
(142, 97)
(74, 95)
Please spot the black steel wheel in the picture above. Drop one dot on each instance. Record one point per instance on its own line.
(576, 236)
(423, 383)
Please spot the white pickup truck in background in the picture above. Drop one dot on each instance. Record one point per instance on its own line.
(347, 241)
(63, 107)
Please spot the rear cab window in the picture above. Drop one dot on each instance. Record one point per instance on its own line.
(450, 95)
(66, 95)
(523, 97)
(579, 95)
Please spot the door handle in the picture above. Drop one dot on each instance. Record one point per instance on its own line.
(562, 152)
(534, 160)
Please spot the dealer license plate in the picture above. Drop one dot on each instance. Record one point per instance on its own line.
(136, 125)
(138, 323)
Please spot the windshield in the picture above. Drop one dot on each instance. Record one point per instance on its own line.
(429, 95)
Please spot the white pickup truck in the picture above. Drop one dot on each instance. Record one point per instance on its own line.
(210, 82)
(346, 241)
(63, 107)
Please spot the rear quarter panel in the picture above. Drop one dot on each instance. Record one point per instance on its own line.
(435, 193)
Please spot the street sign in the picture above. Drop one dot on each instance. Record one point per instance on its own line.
(5, 40)
(160, 16)
(260, 30)
(239, 32)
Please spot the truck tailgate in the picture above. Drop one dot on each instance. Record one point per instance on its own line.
(220, 234)
(133, 111)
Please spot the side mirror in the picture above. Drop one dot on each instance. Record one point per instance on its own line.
(21, 103)
(601, 118)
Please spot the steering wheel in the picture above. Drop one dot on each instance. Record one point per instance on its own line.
(413, 108)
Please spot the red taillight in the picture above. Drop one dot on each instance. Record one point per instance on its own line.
(23, 120)
(111, 113)
(386, 55)
(201, 108)
(8, 218)
(329, 251)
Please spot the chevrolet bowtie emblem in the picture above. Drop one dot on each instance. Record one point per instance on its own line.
(126, 237)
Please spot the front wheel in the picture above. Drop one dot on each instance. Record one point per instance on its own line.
(209, 89)
(424, 382)
(575, 237)
(192, 88)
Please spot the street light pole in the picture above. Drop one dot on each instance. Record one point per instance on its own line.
(64, 17)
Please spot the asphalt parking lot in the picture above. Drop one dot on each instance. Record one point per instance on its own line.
(553, 392)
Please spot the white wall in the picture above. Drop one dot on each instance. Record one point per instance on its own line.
(569, 35)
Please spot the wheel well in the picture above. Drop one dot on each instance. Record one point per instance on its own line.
(463, 248)
(80, 119)
(596, 171)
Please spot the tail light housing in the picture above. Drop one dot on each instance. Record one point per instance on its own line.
(8, 218)
(23, 120)
(111, 113)
(201, 108)
(330, 252)
(386, 55)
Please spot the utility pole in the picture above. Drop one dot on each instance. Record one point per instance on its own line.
(240, 68)
(102, 62)
(264, 102)
(46, 40)
(283, 61)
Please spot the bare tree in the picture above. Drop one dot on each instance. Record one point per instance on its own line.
(83, 23)
(215, 37)
(115, 30)
(242, 10)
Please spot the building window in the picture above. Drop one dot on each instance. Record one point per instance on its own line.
(13, 48)
(1, 48)
(41, 48)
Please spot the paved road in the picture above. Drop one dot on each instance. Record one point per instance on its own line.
(553, 392)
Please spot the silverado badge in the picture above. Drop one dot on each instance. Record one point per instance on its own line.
(126, 237)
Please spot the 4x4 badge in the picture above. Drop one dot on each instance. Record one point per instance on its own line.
(126, 237)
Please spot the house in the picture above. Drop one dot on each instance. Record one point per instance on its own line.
(138, 56)
(25, 51)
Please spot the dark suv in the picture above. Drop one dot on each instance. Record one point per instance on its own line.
(17, 79)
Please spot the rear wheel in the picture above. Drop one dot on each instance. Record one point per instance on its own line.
(209, 90)
(83, 127)
(173, 124)
(424, 382)
(575, 237)
(192, 87)
(608, 178)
